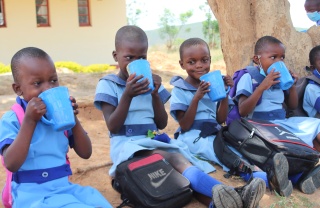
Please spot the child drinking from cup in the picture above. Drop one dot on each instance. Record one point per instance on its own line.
(269, 50)
(130, 113)
(33, 151)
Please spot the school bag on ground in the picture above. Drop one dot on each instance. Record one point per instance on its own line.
(301, 87)
(6, 192)
(151, 182)
(258, 141)
(256, 78)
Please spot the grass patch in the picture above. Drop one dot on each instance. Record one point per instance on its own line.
(293, 202)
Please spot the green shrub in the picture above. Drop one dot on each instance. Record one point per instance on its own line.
(4, 68)
(98, 68)
(75, 67)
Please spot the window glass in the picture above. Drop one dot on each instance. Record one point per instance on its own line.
(83, 13)
(42, 12)
(2, 17)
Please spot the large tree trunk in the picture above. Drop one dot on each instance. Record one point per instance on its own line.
(242, 22)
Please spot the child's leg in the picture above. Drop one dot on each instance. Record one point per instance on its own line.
(206, 185)
(258, 174)
(278, 176)
(310, 181)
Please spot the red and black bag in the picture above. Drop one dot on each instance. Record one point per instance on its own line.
(258, 141)
(151, 182)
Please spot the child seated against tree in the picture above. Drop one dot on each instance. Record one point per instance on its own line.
(191, 106)
(311, 98)
(123, 103)
(33, 151)
(269, 50)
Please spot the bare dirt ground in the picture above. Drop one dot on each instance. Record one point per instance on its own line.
(94, 171)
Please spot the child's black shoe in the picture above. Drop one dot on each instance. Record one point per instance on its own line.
(278, 176)
(252, 193)
(225, 196)
(311, 181)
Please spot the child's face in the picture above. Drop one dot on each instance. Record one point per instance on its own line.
(196, 61)
(270, 54)
(312, 6)
(127, 52)
(35, 75)
(317, 62)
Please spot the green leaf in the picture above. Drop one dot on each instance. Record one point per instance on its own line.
(150, 134)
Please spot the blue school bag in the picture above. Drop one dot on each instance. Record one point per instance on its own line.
(256, 77)
(6, 192)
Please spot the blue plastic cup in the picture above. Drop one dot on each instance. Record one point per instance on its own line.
(142, 67)
(286, 80)
(59, 113)
(217, 90)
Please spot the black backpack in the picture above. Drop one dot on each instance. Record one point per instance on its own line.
(258, 141)
(301, 86)
(151, 182)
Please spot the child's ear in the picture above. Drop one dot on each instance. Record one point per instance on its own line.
(181, 64)
(16, 88)
(114, 55)
(255, 59)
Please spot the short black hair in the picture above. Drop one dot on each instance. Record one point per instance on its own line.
(191, 42)
(313, 53)
(130, 33)
(263, 41)
(28, 52)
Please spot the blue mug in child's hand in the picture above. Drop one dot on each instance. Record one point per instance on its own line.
(59, 113)
(217, 90)
(142, 67)
(286, 80)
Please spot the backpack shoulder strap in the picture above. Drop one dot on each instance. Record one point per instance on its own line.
(236, 77)
(313, 78)
(230, 159)
(18, 111)
(255, 74)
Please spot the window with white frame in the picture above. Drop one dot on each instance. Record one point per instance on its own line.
(2, 16)
(42, 13)
(84, 13)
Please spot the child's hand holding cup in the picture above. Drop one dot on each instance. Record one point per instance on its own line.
(286, 80)
(59, 113)
(217, 89)
(142, 67)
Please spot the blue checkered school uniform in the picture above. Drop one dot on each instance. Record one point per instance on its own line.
(132, 137)
(182, 95)
(271, 108)
(42, 180)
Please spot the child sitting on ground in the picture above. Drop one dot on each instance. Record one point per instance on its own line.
(269, 50)
(191, 106)
(124, 106)
(35, 148)
(311, 98)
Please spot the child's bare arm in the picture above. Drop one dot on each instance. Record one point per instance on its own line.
(15, 154)
(82, 142)
(186, 118)
(160, 114)
(116, 116)
(291, 99)
(247, 104)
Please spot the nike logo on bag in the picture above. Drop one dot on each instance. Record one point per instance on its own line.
(159, 183)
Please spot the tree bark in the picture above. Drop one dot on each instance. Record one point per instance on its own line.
(243, 22)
